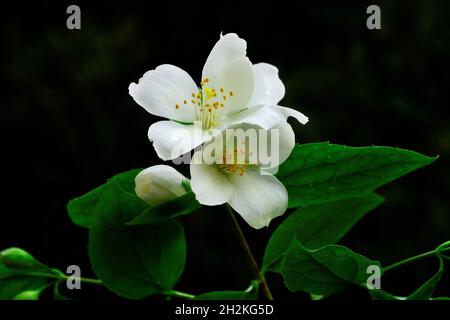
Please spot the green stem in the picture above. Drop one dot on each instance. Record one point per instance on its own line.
(59, 275)
(414, 258)
(87, 280)
(250, 256)
(443, 245)
(179, 294)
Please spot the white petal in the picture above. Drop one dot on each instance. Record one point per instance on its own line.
(171, 139)
(229, 48)
(288, 112)
(265, 117)
(258, 198)
(269, 89)
(236, 80)
(271, 148)
(159, 91)
(228, 68)
(210, 185)
(286, 144)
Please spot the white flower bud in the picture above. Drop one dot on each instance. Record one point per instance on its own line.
(158, 184)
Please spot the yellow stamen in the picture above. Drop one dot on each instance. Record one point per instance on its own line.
(208, 93)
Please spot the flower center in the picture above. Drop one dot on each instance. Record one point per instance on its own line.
(235, 162)
(208, 104)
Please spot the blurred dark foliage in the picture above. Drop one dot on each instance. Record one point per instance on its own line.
(68, 122)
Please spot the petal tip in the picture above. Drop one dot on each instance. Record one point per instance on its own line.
(132, 88)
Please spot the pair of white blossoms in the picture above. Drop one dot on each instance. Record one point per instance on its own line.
(233, 94)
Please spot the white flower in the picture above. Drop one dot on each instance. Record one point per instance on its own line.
(247, 187)
(232, 91)
(158, 184)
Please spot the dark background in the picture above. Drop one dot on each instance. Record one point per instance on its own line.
(68, 123)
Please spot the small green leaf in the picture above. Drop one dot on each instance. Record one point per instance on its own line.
(316, 296)
(82, 209)
(29, 295)
(21, 274)
(16, 258)
(323, 271)
(134, 261)
(177, 207)
(322, 172)
(316, 226)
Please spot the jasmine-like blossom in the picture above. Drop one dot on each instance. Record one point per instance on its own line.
(247, 186)
(232, 91)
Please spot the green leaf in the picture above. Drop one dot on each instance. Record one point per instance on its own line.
(82, 209)
(16, 258)
(21, 276)
(134, 261)
(321, 172)
(125, 180)
(29, 295)
(177, 207)
(323, 271)
(316, 296)
(316, 226)
(427, 289)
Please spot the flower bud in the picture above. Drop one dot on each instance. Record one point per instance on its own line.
(159, 184)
